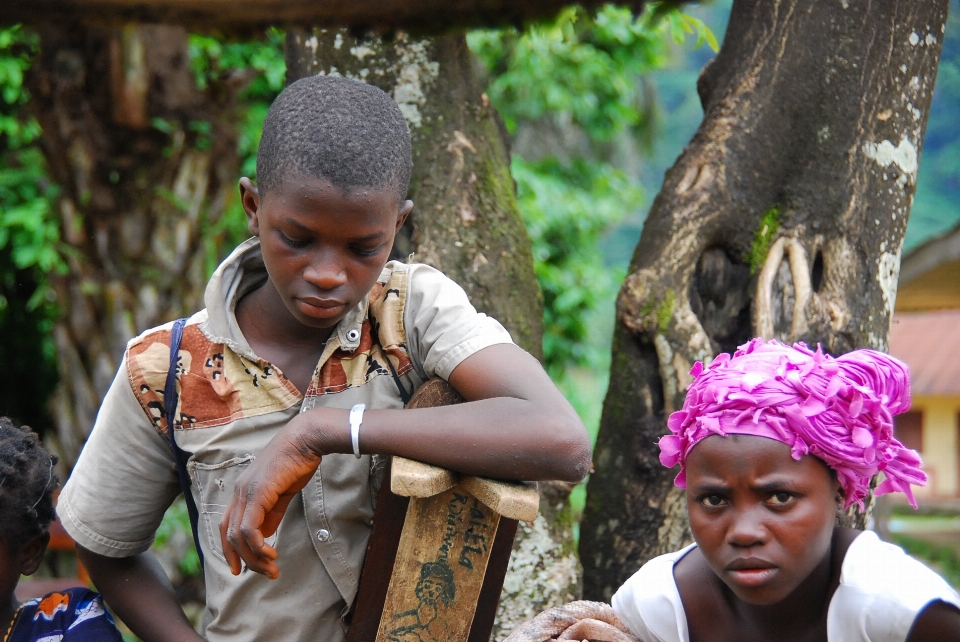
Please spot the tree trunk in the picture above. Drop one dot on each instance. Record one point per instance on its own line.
(144, 161)
(466, 223)
(783, 218)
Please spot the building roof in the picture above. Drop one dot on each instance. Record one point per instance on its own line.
(929, 342)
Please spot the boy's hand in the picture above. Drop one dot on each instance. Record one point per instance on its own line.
(260, 498)
(515, 425)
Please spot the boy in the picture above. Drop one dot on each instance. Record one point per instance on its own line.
(27, 482)
(303, 323)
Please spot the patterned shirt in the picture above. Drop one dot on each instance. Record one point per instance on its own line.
(231, 403)
(73, 615)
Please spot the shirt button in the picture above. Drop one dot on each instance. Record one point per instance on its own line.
(323, 534)
(353, 335)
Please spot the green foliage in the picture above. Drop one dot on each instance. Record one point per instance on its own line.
(584, 67)
(29, 242)
(260, 63)
(176, 525)
(766, 232)
(260, 60)
(566, 208)
(944, 558)
(27, 223)
(581, 71)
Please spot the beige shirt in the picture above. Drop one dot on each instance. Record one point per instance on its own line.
(231, 404)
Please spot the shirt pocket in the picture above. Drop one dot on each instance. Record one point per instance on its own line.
(215, 484)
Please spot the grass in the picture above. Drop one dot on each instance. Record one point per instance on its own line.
(944, 558)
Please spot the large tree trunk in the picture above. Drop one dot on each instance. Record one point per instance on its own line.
(783, 218)
(465, 222)
(144, 161)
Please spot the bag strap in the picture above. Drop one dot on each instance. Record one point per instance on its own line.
(180, 456)
(404, 395)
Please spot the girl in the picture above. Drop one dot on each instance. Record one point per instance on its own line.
(773, 444)
(27, 482)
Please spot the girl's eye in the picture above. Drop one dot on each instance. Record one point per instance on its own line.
(712, 501)
(780, 499)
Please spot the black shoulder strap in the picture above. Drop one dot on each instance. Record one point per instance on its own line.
(404, 395)
(180, 456)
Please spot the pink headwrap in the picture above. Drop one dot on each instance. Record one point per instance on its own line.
(838, 409)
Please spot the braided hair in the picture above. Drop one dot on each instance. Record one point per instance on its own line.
(27, 482)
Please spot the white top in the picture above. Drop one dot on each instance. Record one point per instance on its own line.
(881, 592)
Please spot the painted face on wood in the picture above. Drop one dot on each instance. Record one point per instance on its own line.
(762, 520)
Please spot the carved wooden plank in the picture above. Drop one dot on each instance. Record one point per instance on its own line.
(410, 478)
(439, 570)
(382, 548)
(497, 565)
(436, 562)
(516, 500)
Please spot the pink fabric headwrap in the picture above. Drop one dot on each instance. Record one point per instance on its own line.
(838, 409)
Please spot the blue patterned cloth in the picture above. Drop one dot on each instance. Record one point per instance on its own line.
(72, 615)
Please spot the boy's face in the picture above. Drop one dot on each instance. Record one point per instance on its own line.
(762, 520)
(323, 248)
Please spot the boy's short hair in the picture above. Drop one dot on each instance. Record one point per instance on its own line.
(27, 482)
(348, 132)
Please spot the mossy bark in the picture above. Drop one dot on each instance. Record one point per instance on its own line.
(804, 169)
(144, 161)
(465, 222)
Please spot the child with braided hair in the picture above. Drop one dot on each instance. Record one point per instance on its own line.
(27, 482)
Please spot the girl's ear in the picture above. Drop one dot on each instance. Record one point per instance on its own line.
(31, 553)
(250, 200)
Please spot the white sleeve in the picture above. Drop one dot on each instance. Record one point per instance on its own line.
(442, 327)
(649, 602)
(882, 591)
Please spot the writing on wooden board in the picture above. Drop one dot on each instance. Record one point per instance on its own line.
(443, 555)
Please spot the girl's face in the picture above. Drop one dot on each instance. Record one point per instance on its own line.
(762, 520)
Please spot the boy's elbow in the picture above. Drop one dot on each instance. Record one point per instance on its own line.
(572, 452)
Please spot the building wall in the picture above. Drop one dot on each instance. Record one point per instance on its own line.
(940, 444)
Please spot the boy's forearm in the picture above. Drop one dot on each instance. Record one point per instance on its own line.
(501, 438)
(518, 425)
(140, 593)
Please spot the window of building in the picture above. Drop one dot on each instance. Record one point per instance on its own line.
(908, 429)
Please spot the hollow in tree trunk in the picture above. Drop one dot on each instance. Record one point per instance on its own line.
(783, 218)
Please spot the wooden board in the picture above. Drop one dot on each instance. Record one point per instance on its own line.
(516, 500)
(410, 478)
(439, 570)
(364, 617)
